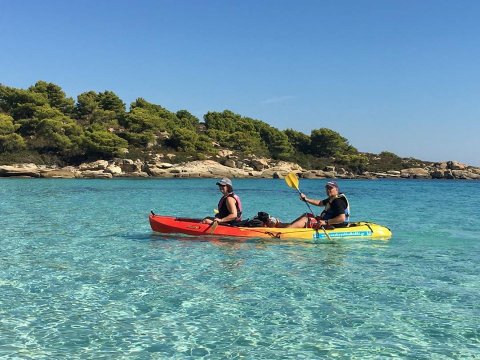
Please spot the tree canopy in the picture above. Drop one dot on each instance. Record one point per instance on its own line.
(43, 119)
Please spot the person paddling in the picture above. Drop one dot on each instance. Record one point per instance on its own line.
(229, 206)
(336, 213)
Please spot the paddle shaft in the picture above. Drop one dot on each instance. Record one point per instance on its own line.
(305, 201)
(213, 226)
(292, 180)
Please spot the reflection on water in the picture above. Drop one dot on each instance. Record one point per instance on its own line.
(83, 276)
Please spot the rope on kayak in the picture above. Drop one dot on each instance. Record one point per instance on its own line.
(360, 223)
(276, 236)
(368, 225)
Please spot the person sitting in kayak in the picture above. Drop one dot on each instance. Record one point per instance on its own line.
(336, 213)
(229, 206)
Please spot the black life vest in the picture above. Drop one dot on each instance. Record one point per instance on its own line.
(328, 214)
(223, 209)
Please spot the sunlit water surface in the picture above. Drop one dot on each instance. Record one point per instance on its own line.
(82, 275)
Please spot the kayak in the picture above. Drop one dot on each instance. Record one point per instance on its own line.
(176, 225)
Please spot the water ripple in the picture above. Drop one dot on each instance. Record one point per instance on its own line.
(82, 276)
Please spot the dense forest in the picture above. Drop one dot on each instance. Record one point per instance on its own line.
(43, 126)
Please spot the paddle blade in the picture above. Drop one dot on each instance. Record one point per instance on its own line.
(292, 180)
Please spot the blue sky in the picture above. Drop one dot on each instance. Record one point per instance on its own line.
(400, 76)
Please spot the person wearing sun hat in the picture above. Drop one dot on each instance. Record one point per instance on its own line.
(335, 214)
(229, 206)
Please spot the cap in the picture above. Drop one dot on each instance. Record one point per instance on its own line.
(225, 181)
(331, 184)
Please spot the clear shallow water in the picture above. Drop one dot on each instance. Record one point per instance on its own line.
(82, 275)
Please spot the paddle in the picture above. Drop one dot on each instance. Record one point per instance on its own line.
(213, 226)
(292, 181)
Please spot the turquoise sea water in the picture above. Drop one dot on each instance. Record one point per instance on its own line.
(82, 275)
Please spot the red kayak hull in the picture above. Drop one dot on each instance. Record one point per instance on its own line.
(194, 227)
(175, 225)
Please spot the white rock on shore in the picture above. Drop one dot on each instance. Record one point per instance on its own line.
(246, 168)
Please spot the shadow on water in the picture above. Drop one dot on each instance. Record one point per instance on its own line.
(138, 236)
(273, 242)
(339, 244)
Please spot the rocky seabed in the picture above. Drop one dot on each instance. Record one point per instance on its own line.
(248, 168)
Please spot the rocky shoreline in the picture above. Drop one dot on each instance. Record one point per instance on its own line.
(226, 167)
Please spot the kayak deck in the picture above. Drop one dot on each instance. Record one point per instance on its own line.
(176, 225)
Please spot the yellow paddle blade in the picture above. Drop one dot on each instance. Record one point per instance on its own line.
(292, 180)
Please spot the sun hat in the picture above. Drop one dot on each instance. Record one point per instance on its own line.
(225, 181)
(331, 184)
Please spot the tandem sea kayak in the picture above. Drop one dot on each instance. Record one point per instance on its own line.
(176, 225)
